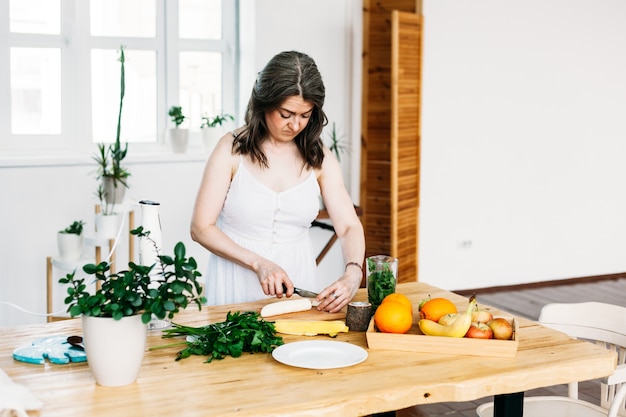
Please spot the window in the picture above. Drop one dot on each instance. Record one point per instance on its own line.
(63, 74)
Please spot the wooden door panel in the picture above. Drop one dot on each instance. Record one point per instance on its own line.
(405, 140)
(390, 167)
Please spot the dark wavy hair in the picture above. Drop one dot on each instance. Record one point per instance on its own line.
(287, 74)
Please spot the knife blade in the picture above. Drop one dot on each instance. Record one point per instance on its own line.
(301, 292)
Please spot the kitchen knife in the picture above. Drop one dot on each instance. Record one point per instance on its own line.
(301, 292)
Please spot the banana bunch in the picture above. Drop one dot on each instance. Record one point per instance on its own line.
(457, 328)
(310, 328)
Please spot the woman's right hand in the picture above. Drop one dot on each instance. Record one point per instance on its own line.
(272, 277)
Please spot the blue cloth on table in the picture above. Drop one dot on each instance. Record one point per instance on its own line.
(54, 348)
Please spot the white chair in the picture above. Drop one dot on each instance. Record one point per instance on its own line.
(600, 323)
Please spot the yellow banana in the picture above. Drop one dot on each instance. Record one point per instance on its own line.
(310, 328)
(457, 328)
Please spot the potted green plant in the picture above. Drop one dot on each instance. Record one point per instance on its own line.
(70, 241)
(337, 146)
(115, 315)
(179, 136)
(107, 220)
(110, 172)
(336, 143)
(211, 129)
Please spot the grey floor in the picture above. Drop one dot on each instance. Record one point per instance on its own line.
(527, 303)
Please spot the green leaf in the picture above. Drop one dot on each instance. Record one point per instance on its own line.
(179, 250)
(146, 317)
(75, 310)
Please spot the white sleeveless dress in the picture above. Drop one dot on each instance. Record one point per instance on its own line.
(273, 224)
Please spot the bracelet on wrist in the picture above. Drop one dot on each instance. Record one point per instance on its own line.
(358, 265)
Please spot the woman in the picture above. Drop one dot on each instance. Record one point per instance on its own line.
(260, 192)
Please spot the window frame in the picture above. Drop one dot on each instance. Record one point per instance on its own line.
(76, 43)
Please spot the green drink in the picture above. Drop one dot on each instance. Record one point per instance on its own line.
(382, 274)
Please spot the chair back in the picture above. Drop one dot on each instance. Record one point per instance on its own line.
(600, 323)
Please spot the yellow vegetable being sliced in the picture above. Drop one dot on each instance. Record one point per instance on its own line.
(311, 327)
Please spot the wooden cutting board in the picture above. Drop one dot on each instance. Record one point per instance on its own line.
(312, 314)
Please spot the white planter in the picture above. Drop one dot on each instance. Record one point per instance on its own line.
(178, 139)
(114, 348)
(210, 137)
(108, 225)
(113, 194)
(70, 246)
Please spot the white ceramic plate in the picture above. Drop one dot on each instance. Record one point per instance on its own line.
(319, 354)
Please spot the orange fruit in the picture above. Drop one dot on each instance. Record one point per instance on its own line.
(401, 298)
(436, 308)
(393, 317)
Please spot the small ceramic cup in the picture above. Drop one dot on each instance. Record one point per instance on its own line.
(358, 316)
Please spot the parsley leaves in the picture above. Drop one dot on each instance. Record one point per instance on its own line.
(241, 332)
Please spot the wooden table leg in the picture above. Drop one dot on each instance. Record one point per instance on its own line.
(508, 405)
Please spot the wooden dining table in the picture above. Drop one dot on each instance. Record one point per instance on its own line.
(258, 385)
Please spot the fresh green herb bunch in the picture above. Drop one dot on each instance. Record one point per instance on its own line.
(76, 228)
(176, 113)
(137, 290)
(216, 120)
(241, 332)
(380, 282)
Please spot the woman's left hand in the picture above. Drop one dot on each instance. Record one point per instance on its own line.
(337, 295)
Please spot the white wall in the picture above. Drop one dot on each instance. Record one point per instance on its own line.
(524, 141)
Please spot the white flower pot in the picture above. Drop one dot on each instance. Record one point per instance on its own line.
(70, 246)
(107, 225)
(210, 137)
(114, 348)
(178, 139)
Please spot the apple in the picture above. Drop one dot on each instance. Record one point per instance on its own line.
(448, 319)
(502, 328)
(479, 331)
(424, 301)
(481, 315)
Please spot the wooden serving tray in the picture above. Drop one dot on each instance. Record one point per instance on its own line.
(414, 340)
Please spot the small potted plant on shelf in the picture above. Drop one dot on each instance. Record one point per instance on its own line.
(107, 220)
(211, 129)
(179, 136)
(115, 317)
(336, 143)
(111, 174)
(70, 241)
(337, 146)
